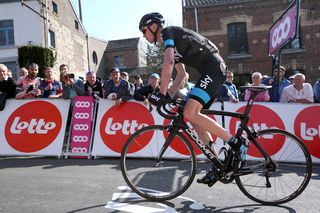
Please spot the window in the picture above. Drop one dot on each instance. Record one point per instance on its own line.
(52, 39)
(54, 8)
(118, 61)
(237, 38)
(6, 33)
(76, 24)
(95, 58)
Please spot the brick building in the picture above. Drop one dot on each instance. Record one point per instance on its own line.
(127, 54)
(240, 30)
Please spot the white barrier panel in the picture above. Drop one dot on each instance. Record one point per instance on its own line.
(33, 127)
(116, 123)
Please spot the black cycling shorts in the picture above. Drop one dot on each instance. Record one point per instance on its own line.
(208, 85)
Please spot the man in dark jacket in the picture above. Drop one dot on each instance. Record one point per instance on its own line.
(153, 86)
(116, 88)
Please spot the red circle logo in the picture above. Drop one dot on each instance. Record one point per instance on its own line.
(307, 128)
(261, 117)
(120, 122)
(176, 143)
(33, 126)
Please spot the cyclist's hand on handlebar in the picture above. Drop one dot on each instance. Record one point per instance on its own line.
(158, 99)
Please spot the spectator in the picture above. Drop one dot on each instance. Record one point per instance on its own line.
(9, 73)
(232, 89)
(7, 83)
(277, 89)
(71, 86)
(316, 90)
(31, 83)
(256, 81)
(125, 76)
(153, 86)
(138, 83)
(184, 89)
(188, 85)
(64, 68)
(116, 88)
(93, 85)
(223, 93)
(50, 87)
(22, 73)
(298, 92)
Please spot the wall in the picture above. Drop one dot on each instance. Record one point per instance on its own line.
(71, 44)
(259, 16)
(24, 31)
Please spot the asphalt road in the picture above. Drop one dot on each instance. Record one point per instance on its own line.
(81, 185)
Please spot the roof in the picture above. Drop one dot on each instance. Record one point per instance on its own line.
(203, 3)
(12, 1)
(123, 44)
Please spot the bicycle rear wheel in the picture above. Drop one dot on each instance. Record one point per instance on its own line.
(153, 179)
(272, 186)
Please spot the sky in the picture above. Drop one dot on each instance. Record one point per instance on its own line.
(119, 19)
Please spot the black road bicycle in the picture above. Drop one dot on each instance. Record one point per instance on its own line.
(159, 173)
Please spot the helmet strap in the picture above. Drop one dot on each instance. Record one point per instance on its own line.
(155, 33)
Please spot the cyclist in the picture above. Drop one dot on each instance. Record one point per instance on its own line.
(186, 47)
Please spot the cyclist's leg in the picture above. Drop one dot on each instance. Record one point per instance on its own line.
(202, 96)
(204, 136)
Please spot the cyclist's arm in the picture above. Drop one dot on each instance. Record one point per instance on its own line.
(181, 74)
(168, 64)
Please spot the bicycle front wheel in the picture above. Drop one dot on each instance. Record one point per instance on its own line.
(272, 186)
(153, 178)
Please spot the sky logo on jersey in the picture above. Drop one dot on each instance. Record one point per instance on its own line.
(120, 122)
(31, 128)
(205, 82)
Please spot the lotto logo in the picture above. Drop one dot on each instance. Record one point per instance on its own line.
(261, 118)
(39, 127)
(307, 128)
(82, 104)
(33, 126)
(118, 123)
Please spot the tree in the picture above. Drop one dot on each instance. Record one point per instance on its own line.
(35, 54)
(155, 56)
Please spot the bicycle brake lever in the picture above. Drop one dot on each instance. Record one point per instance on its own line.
(150, 107)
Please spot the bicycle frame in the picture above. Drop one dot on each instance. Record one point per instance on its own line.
(178, 124)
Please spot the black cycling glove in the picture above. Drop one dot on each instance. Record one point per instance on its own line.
(157, 99)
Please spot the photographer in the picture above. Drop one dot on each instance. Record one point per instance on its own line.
(30, 83)
(71, 86)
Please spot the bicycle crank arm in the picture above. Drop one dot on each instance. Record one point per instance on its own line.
(244, 171)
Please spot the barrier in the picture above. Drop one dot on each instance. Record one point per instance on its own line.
(37, 127)
(116, 123)
(33, 127)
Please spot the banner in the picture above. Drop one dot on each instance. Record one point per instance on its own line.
(33, 127)
(81, 126)
(116, 123)
(285, 29)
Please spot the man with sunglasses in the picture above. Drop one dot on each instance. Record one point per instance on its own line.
(186, 47)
